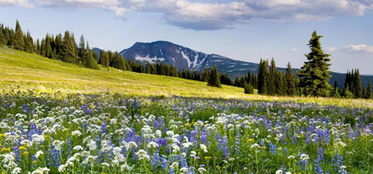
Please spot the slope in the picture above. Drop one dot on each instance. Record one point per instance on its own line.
(23, 71)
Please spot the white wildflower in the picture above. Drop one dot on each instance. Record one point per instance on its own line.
(38, 154)
(92, 145)
(304, 157)
(16, 170)
(58, 144)
(279, 172)
(202, 170)
(152, 145)
(203, 148)
(76, 133)
(143, 155)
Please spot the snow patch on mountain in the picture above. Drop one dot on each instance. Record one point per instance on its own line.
(149, 59)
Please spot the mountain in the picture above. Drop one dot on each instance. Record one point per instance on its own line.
(186, 58)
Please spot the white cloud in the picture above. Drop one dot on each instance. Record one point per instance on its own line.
(217, 14)
(22, 3)
(360, 48)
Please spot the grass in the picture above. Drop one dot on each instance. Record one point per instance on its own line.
(24, 71)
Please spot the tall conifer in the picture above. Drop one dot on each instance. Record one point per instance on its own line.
(314, 75)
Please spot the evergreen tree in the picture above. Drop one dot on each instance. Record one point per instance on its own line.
(58, 42)
(368, 91)
(91, 62)
(37, 47)
(121, 62)
(273, 80)
(68, 49)
(248, 88)
(335, 92)
(19, 43)
(357, 88)
(263, 77)
(3, 40)
(104, 59)
(347, 93)
(291, 88)
(214, 79)
(29, 43)
(314, 75)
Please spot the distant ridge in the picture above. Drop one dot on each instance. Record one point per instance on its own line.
(185, 58)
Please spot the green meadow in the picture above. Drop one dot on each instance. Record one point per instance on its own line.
(23, 71)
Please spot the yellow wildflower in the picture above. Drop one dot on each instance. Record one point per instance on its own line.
(208, 157)
(5, 149)
(22, 148)
(2, 135)
(25, 153)
(250, 140)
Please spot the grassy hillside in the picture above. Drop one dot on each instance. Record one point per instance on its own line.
(20, 70)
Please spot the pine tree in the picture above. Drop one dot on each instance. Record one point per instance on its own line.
(263, 77)
(273, 80)
(357, 88)
(29, 43)
(314, 75)
(3, 40)
(248, 88)
(37, 47)
(214, 79)
(291, 88)
(19, 43)
(121, 62)
(91, 61)
(68, 49)
(104, 59)
(368, 91)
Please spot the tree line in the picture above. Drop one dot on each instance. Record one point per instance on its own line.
(311, 80)
(64, 48)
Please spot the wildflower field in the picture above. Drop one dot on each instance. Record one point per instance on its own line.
(115, 134)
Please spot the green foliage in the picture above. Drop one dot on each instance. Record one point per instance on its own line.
(347, 93)
(263, 76)
(368, 91)
(3, 40)
(91, 61)
(29, 43)
(291, 86)
(314, 75)
(19, 43)
(69, 49)
(248, 88)
(104, 59)
(214, 79)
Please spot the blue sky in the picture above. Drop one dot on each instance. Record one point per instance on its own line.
(240, 29)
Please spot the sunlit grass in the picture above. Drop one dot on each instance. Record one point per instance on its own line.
(23, 71)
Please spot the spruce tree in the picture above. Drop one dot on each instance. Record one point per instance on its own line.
(104, 59)
(214, 79)
(357, 88)
(19, 43)
(3, 40)
(29, 43)
(68, 49)
(91, 61)
(37, 47)
(291, 88)
(314, 75)
(263, 77)
(368, 91)
(248, 88)
(273, 79)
